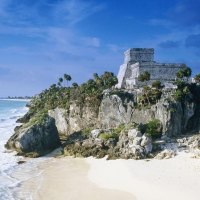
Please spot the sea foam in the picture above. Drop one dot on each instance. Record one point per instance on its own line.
(9, 112)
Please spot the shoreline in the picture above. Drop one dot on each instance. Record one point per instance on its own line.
(23, 100)
(96, 179)
(67, 178)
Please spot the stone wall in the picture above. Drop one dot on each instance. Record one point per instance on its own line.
(160, 71)
(139, 55)
(137, 61)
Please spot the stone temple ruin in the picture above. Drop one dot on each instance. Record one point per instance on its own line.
(139, 60)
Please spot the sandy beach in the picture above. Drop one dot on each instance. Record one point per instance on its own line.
(67, 179)
(95, 179)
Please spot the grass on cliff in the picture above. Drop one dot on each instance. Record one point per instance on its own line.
(153, 128)
(113, 134)
(37, 119)
(88, 93)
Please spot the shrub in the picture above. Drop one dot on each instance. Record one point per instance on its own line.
(144, 77)
(178, 95)
(113, 134)
(197, 78)
(154, 128)
(86, 132)
(157, 85)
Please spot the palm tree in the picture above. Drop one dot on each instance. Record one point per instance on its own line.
(75, 85)
(184, 72)
(60, 80)
(180, 74)
(67, 78)
(95, 76)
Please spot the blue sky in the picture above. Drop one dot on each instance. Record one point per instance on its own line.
(42, 39)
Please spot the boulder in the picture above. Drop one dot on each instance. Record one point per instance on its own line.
(60, 120)
(166, 154)
(148, 148)
(35, 140)
(145, 140)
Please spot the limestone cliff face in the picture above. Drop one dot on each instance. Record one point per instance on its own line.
(74, 119)
(176, 118)
(116, 108)
(35, 140)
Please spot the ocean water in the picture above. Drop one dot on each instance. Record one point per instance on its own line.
(10, 111)
(13, 176)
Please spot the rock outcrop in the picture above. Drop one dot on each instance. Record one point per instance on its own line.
(75, 119)
(35, 140)
(176, 117)
(130, 144)
(116, 108)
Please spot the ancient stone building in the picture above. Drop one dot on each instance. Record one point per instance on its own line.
(139, 60)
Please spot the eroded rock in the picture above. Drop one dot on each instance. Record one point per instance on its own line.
(35, 140)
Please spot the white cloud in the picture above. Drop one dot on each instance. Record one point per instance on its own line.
(75, 11)
(51, 47)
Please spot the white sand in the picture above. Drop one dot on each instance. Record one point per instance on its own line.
(67, 179)
(98, 179)
(174, 179)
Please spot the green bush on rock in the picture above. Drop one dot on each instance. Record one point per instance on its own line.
(153, 128)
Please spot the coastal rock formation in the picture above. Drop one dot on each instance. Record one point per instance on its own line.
(116, 108)
(130, 144)
(35, 140)
(176, 117)
(60, 116)
(136, 146)
(75, 119)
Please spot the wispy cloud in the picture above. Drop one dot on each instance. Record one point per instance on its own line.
(43, 12)
(74, 11)
(48, 42)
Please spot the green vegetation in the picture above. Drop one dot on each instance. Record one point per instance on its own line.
(114, 133)
(86, 132)
(151, 94)
(157, 85)
(197, 78)
(144, 77)
(153, 128)
(38, 118)
(185, 72)
(183, 87)
(88, 93)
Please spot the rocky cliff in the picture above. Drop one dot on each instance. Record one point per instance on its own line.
(113, 129)
(115, 109)
(35, 139)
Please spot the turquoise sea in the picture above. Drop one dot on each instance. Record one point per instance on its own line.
(10, 111)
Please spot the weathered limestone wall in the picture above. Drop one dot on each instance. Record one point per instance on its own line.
(161, 71)
(121, 75)
(132, 73)
(139, 55)
(137, 61)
